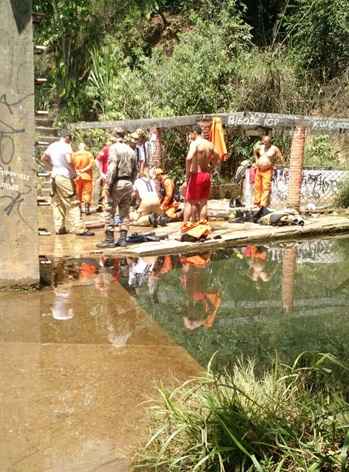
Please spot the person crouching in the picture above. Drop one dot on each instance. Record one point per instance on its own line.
(147, 200)
(169, 205)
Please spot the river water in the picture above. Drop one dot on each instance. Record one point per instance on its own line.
(255, 301)
(80, 357)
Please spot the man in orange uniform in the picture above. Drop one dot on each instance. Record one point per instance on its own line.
(168, 205)
(266, 155)
(83, 162)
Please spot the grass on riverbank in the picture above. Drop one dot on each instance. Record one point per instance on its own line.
(291, 418)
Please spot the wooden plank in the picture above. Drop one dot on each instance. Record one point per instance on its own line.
(240, 120)
(237, 235)
(132, 125)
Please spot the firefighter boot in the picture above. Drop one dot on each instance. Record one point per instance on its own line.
(108, 242)
(122, 241)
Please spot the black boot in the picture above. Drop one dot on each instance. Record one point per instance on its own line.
(153, 220)
(122, 241)
(163, 220)
(109, 240)
(87, 209)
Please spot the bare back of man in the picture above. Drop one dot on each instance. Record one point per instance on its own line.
(200, 160)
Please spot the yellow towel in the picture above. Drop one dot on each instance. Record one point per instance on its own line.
(217, 138)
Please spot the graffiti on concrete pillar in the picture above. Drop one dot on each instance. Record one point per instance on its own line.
(14, 186)
(319, 186)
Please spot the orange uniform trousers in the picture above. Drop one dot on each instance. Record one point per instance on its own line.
(83, 190)
(262, 187)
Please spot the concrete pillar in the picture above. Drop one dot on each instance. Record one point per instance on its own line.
(296, 169)
(19, 266)
(289, 268)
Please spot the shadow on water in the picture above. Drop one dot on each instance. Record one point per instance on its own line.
(251, 301)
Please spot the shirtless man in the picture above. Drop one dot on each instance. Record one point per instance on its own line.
(200, 160)
(266, 155)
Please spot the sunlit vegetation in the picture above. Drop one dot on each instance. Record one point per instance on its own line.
(286, 420)
(117, 59)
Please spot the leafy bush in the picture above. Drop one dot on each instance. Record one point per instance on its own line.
(318, 35)
(213, 68)
(320, 152)
(266, 81)
(194, 79)
(280, 421)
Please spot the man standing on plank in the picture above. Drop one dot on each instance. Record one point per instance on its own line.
(82, 163)
(200, 160)
(66, 206)
(102, 159)
(122, 172)
(142, 150)
(266, 155)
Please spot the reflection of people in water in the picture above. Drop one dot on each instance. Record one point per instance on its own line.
(204, 300)
(117, 320)
(257, 259)
(162, 266)
(62, 308)
(139, 270)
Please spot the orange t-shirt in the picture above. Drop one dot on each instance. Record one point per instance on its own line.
(80, 160)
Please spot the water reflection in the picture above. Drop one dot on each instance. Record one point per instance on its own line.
(202, 293)
(289, 266)
(254, 276)
(233, 301)
(62, 308)
(257, 257)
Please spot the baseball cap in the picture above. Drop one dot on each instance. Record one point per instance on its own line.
(141, 133)
(132, 138)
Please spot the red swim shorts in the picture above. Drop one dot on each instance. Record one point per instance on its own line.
(199, 186)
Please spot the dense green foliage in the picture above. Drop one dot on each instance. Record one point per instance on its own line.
(284, 420)
(116, 59)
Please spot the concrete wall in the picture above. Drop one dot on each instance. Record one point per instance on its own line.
(320, 187)
(18, 221)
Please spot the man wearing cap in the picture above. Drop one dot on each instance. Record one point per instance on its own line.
(66, 206)
(121, 174)
(142, 149)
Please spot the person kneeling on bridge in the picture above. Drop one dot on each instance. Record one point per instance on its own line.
(149, 210)
(169, 205)
(122, 172)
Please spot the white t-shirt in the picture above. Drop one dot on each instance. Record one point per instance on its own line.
(58, 156)
(145, 187)
(142, 151)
